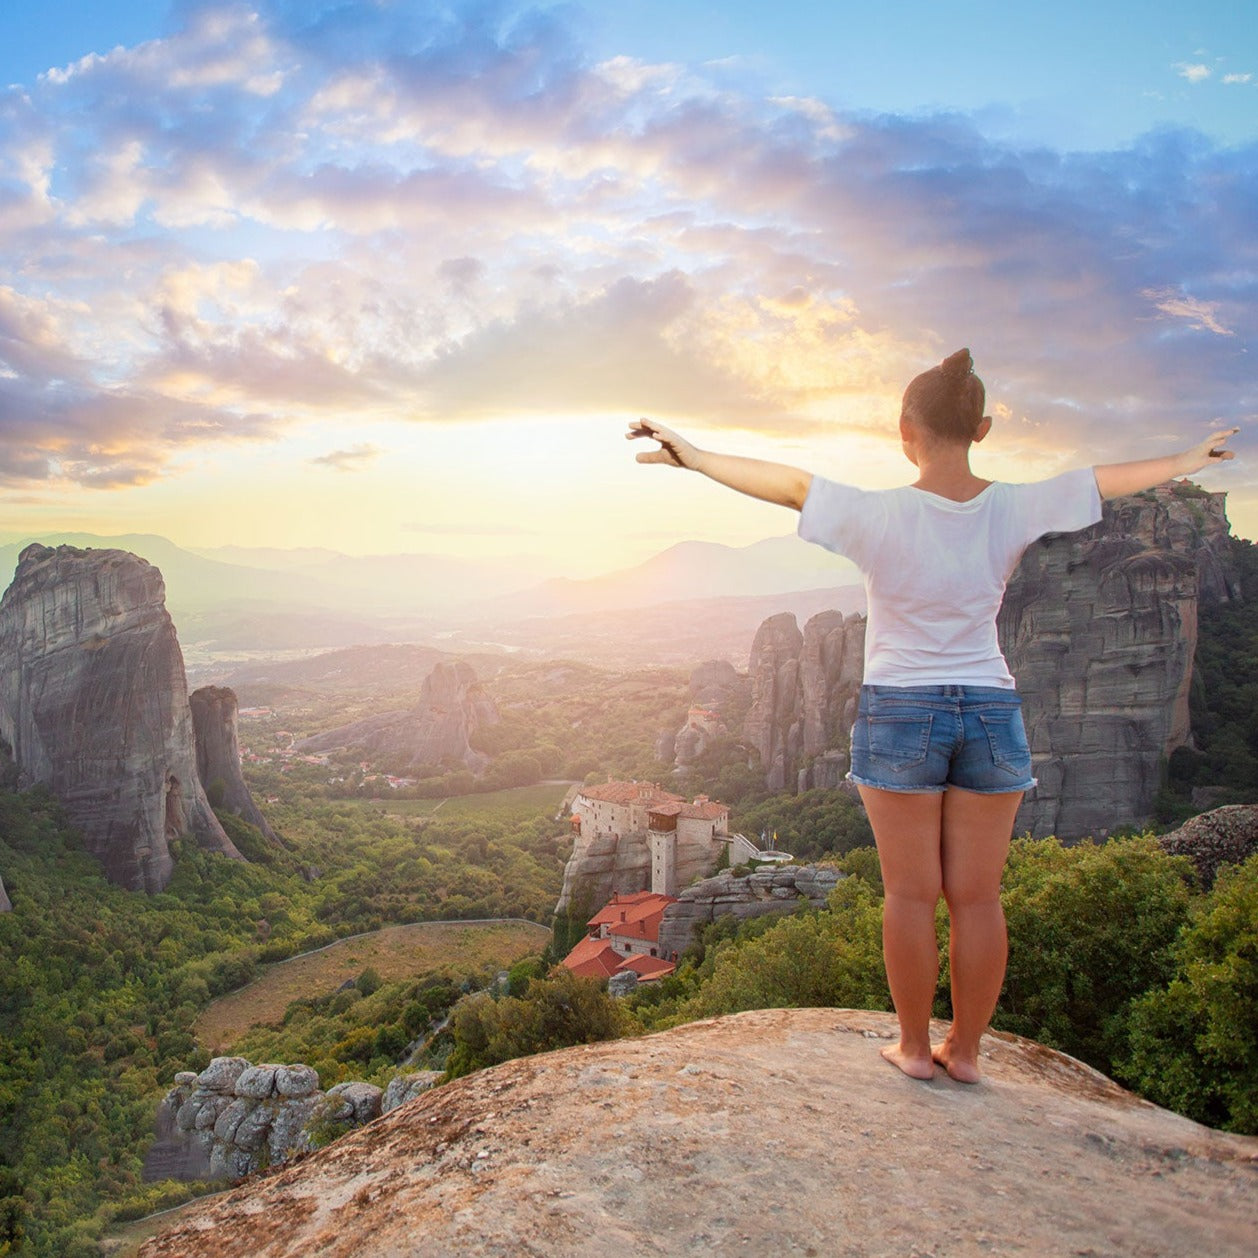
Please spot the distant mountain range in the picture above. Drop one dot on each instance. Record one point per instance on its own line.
(246, 599)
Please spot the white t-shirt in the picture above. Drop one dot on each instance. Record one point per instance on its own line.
(935, 570)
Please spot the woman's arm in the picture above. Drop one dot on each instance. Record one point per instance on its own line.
(1116, 479)
(772, 482)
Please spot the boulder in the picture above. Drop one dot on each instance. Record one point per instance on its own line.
(296, 1081)
(364, 1099)
(257, 1082)
(1224, 836)
(221, 1074)
(407, 1087)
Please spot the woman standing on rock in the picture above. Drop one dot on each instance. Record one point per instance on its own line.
(939, 750)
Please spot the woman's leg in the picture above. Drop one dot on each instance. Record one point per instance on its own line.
(907, 830)
(975, 842)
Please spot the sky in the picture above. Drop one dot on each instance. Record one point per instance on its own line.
(385, 275)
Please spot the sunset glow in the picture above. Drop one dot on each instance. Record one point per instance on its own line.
(392, 276)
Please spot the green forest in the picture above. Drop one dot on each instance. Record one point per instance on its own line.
(1119, 957)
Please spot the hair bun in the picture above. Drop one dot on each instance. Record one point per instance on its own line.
(957, 366)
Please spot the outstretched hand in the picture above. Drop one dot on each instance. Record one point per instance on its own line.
(1213, 447)
(675, 450)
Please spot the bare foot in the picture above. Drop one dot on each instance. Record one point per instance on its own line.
(915, 1066)
(962, 1069)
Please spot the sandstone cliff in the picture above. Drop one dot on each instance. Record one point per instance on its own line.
(437, 731)
(1099, 627)
(5, 906)
(804, 691)
(771, 1132)
(94, 702)
(217, 737)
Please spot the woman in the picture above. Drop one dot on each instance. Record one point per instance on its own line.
(939, 750)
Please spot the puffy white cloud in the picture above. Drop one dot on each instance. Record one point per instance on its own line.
(297, 211)
(1194, 71)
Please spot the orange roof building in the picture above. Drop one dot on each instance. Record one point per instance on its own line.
(624, 935)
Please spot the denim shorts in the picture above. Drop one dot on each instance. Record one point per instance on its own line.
(923, 739)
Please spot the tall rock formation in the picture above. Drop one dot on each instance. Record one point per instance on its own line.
(94, 703)
(437, 731)
(1100, 627)
(217, 736)
(804, 691)
(5, 905)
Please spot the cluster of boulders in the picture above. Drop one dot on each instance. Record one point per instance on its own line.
(235, 1118)
(768, 889)
(1225, 836)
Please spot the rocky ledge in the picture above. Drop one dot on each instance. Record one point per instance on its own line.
(1224, 836)
(234, 1119)
(769, 889)
(776, 1131)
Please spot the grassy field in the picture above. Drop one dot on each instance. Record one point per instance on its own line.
(396, 952)
(522, 801)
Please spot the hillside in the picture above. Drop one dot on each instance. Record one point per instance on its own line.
(776, 1131)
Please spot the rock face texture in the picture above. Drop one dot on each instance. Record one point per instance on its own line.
(715, 688)
(1225, 836)
(437, 731)
(772, 1132)
(1099, 627)
(94, 703)
(804, 692)
(606, 865)
(234, 1119)
(764, 890)
(214, 724)
(5, 906)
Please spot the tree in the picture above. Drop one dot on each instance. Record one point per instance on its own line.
(1090, 929)
(1193, 1043)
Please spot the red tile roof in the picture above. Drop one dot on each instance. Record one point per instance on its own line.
(593, 958)
(704, 811)
(647, 967)
(627, 793)
(627, 910)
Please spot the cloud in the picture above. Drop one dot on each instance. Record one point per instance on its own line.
(291, 212)
(1201, 315)
(1194, 71)
(351, 460)
(1237, 78)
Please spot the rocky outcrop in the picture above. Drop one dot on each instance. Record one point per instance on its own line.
(804, 692)
(601, 867)
(214, 724)
(715, 688)
(1224, 836)
(5, 905)
(437, 731)
(1099, 627)
(233, 1118)
(94, 703)
(772, 889)
(770, 1132)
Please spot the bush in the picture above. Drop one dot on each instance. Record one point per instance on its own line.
(1193, 1044)
(1090, 929)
